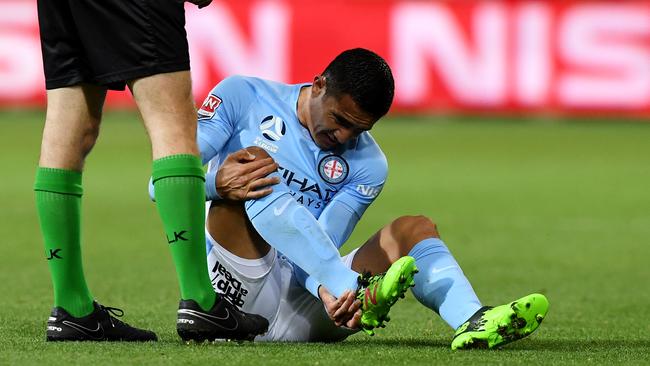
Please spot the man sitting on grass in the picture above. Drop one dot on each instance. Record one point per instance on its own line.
(312, 142)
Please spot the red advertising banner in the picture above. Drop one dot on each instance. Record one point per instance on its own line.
(501, 56)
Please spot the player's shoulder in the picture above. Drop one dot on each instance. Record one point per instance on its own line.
(366, 148)
(253, 85)
(236, 93)
(367, 157)
(234, 84)
(230, 96)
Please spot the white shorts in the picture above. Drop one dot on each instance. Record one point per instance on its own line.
(268, 287)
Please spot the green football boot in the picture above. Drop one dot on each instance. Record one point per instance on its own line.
(380, 292)
(493, 327)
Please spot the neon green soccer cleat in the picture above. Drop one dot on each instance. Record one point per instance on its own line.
(380, 292)
(493, 327)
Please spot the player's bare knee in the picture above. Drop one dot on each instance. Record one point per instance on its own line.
(89, 138)
(410, 230)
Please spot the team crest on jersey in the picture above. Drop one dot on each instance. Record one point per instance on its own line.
(273, 128)
(333, 169)
(209, 107)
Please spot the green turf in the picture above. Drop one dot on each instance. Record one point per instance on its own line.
(526, 206)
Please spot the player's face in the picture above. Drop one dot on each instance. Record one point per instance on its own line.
(335, 120)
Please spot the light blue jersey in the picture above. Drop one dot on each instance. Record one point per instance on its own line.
(324, 193)
(245, 111)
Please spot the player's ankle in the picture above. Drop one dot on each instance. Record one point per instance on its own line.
(205, 301)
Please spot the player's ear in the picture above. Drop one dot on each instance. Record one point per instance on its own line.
(318, 86)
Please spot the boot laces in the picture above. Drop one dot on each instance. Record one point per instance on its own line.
(113, 314)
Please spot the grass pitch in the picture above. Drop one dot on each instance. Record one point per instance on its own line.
(525, 206)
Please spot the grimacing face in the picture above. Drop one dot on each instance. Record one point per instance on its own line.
(335, 120)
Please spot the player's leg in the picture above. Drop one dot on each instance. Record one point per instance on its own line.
(167, 107)
(144, 43)
(442, 286)
(320, 258)
(71, 129)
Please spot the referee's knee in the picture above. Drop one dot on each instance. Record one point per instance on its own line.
(90, 135)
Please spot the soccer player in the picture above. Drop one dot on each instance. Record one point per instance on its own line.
(331, 170)
(89, 47)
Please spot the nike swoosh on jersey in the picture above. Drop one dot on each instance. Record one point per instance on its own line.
(208, 318)
(93, 333)
(279, 210)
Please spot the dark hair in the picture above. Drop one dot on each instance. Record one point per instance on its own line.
(364, 76)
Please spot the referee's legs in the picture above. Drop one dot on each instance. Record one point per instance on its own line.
(167, 107)
(71, 129)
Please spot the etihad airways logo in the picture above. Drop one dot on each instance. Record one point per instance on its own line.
(294, 181)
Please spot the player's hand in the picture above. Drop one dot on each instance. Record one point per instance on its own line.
(243, 177)
(344, 311)
(200, 3)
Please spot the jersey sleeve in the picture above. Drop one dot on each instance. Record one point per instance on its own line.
(366, 183)
(338, 220)
(220, 114)
(218, 118)
(345, 209)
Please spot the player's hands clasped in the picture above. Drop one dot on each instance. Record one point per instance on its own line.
(344, 311)
(200, 3)
(242, 177)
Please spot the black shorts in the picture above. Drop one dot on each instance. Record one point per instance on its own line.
(109, 42)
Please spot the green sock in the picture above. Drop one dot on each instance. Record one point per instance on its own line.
(58, 202)
(179, 185)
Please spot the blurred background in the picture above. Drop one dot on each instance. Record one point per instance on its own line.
(520, 127)
(524, 57)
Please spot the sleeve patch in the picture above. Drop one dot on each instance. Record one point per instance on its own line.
(369, 191)
(209, 107)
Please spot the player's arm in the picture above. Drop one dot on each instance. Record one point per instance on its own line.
(343, 311)
(338, 219)
(344, 211)
(242, 177)
(239, 177)
(290, 228)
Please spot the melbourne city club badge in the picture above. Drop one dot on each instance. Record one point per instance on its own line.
(333, 169)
